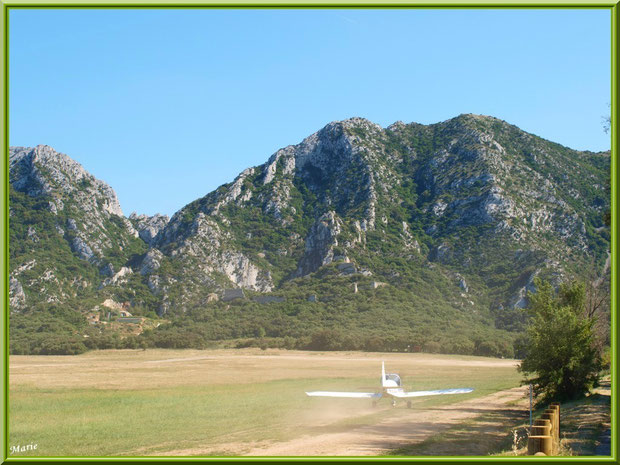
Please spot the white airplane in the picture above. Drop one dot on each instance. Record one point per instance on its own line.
(391, 385)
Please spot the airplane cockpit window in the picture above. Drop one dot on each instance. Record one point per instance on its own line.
(393, 377)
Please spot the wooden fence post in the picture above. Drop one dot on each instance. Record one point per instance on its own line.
(550, 415)
(541, 422)
(556, 423)
(544, 438)
(556, 406)
(541, 430)
(537, 444)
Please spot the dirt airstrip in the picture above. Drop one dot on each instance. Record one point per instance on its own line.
(129, 369)
(328, 429)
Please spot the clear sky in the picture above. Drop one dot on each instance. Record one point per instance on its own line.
(166, 105)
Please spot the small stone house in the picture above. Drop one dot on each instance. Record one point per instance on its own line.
(232, 294)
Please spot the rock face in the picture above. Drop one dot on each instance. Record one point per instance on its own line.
(71, 192)
(472, 199)
(119, 277)
(319, 244)
(17, 298)
(151, 262)
(148, 226)
(452, 192)
(41, 170)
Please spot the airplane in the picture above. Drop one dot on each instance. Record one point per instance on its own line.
(391, 386)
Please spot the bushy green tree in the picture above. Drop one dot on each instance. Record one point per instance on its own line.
(562, 360)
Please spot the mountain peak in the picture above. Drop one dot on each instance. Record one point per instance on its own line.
(357, 121)
(41, 170)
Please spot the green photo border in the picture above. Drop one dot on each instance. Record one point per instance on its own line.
(7, 5)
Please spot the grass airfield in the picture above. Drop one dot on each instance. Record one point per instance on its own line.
(221, 402)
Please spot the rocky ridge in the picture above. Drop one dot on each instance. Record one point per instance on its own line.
(466, 198)
(68, 231)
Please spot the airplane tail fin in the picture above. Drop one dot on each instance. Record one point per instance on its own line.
(383, 374)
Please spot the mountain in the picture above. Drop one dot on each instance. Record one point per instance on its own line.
(68, 234)
(413, 232)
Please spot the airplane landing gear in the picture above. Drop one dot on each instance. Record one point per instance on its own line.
(393, 403)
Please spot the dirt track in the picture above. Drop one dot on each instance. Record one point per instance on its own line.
(404, 427)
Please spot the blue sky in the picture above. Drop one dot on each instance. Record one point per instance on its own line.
(166, 105)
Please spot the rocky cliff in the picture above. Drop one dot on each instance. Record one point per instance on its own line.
(468, 211)
(470, 194)
(68, 234)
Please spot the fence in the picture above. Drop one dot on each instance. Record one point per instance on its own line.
(544, 438)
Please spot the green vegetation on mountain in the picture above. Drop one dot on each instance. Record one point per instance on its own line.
(442, 229)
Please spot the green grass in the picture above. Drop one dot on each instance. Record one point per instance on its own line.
(136, 422)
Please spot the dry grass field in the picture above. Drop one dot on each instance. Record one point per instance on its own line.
(240, 402)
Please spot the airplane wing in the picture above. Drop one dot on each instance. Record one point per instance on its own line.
(374, 395)
(401, 393)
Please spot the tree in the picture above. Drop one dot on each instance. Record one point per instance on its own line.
(607, 121)
(562, 360)
(326, 339)
(606, 124)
